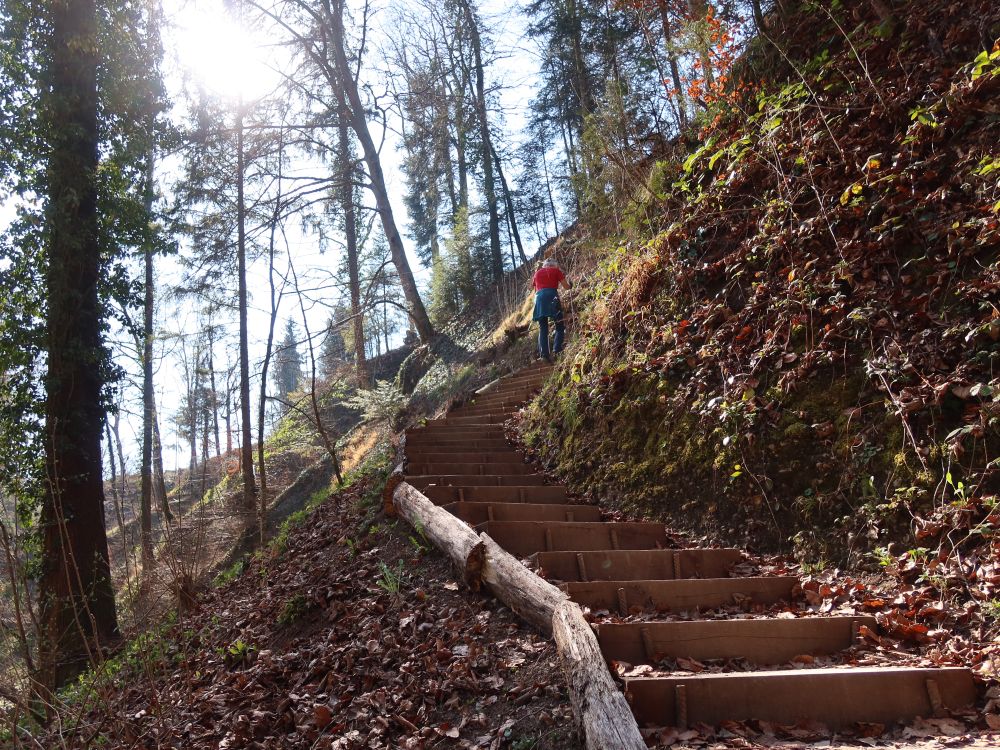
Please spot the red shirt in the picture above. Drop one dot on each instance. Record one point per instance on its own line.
(548, 278)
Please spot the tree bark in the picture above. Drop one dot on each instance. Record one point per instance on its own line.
(212, 385)
(193, 426)
(449, 534)
(351, 238)
(148, 409)
(246, 447)
(530, 596)
(602, 713)
(77, 610)
(159, 484)
(512, 219)
(269, 348)
(418, 314)
(675, 72)
(486, 146)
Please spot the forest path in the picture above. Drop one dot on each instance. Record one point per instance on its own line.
(695, 636)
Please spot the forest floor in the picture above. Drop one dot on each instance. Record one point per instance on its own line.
(345, 632)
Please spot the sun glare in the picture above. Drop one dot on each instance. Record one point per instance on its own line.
(219, 54)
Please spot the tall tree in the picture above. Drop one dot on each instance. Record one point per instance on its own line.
(287, 362)
(359, 123)
(486, 141)
(246, 444)
(346, 191)
(77, 598)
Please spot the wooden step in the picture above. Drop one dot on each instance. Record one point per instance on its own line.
(447, 445)
(525, 380)
(438, 433)
(476, 480)
(637, 565)
(505, 402)
(502, 398)
(476, 513)
(548, 494)
(493, 418)
(523, 538)
(763, 642)
(838, 698)
(477, 411)
(439, 429)
(419, 455)
(454, 467)
(680, 595)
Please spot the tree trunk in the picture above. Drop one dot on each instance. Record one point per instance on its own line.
(77, 610)
(675, 72)
(148, 409)
(121, 456)
(699, 16)
(418, 314)
(758, 14)
(246, 447)
(351, 238)
(548, 190)
(214, 391)
(116, 497)
(445, 531)
(193, 426)
(511, 218)
(262, 400)
(229, 414)
(603, 714)
(460, 158)
(489, 188)
(581, 79)
(159, 484)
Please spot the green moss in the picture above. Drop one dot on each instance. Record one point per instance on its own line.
(796, 430)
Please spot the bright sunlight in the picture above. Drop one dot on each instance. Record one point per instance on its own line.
(220, 54)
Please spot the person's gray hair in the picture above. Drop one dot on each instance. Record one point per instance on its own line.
(550, 263)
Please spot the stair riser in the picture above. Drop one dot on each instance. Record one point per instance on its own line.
(451, 434)
(491, 457)
(761, 642)
(836, 698)
(465, 480)
(477, 513)
(686, 595)
(637, 565)
(548, 494)
(524, 539)
(470, 446)
(462, 468)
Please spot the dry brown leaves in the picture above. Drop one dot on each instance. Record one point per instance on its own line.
(355, 637)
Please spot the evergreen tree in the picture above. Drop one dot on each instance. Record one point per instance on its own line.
(287, 363)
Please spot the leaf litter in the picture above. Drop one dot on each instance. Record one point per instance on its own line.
(355, 636)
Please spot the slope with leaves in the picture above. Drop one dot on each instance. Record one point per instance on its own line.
(343, 633)
(796, 343)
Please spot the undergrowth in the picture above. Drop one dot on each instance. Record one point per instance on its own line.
(792, 343)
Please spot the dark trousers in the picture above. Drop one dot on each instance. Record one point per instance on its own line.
(543, 334)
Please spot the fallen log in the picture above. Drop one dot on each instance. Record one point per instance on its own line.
(603, 715)
(449, 534)
(530, 596)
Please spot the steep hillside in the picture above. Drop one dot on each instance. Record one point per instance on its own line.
(343, 633)
(793, 343)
